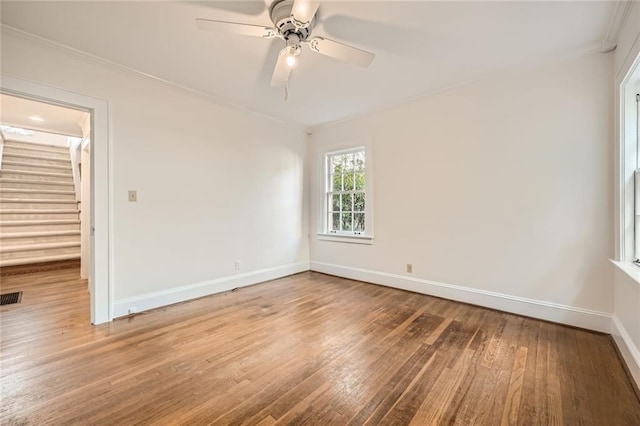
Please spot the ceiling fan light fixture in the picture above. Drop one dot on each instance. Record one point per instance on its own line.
(292, 50)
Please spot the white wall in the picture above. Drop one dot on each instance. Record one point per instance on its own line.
(626, 318)
(503, 188)
(215, 184)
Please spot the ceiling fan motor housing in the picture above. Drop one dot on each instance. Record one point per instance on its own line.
(283, 21)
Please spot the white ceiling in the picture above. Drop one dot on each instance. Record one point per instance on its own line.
(15, 112)
(421, 46)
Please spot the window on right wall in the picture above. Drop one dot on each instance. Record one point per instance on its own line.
(628, 244)
(347, 212)
(636, 199)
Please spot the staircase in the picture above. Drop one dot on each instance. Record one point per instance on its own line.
(39, 216)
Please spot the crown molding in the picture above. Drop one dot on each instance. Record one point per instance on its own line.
(617, 23)
(98, 60)
(588, 50)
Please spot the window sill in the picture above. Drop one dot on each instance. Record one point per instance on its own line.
(353, 239)
(631, 269)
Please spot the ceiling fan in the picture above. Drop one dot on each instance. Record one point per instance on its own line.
(293, 22)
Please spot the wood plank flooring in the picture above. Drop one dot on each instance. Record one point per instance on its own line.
(306, 349)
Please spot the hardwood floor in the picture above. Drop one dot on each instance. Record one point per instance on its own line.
(307, 349)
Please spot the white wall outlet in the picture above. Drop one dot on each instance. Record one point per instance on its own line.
(409, 268)
(237, 265)
(133, 196)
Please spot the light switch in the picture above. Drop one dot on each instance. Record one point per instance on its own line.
(133, 196)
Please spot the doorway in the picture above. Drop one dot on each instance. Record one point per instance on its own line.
(45, 208)
(96, 158)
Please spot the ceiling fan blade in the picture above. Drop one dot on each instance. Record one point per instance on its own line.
(340, 51)
(303, 11)
(235, 28)
(282, 71)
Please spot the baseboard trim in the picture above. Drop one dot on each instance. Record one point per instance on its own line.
(548, 311)
(627, 349)
(162, 298)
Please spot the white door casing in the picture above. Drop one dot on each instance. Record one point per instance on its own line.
(100, 277)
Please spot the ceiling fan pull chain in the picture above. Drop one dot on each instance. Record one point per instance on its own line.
(286, 91)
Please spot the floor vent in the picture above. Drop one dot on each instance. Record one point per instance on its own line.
(10, 298)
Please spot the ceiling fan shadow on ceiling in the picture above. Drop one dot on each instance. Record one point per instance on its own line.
(245, 7)
(293, 22)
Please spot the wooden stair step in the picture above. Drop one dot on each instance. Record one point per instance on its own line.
(36, 157)
(8, 183)
(37, 222)
(36, 191)
(31, 247)
(37, 201)
(35, 173)
(47, 239)
(33, 211)
(23, 165)
(40, 250)
(37, 214)
(33, 204)
(42, 153)
(35, 182)
(38, 234)
(34, 146)
(33, 194)
(40, 237)
(39, 225)
(42, 259)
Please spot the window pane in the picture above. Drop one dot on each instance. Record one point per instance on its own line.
(346, 202)
(336, 183)
(336, 164)
(348, 182)
(348, 163)
(358, 202)
(358, 222)
(335, 204)
(334, 219)
(347, 219)
(359, 181)
(359, 160)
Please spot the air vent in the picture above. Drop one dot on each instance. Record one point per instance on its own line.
(10, 298)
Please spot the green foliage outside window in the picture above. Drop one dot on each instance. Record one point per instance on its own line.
(346, 197)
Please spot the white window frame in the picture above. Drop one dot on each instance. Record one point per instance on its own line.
(628, 173)
(636, 181)
(324, 233)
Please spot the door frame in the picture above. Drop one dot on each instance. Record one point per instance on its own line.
(100, 278)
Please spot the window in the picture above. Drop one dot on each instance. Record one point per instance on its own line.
(628, 221)
(636, 201)
(346, 192)
(346, 200)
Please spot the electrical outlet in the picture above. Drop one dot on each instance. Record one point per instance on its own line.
(409, 268)
(237, 265)
(133, 196)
